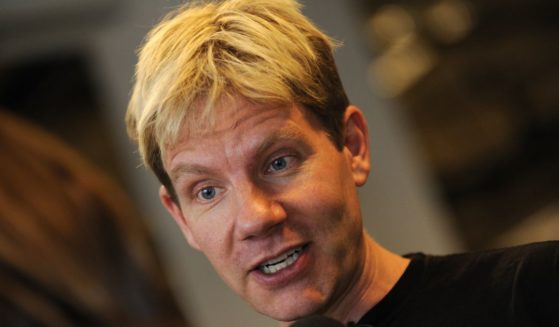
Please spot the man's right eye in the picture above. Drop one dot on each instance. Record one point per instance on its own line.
(207, 193)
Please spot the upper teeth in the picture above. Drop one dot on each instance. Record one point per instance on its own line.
(281, 262)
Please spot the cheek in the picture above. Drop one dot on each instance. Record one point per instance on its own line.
(323, 199)
(213, 242)
(328, 188)
(211, 233)
(330, 208)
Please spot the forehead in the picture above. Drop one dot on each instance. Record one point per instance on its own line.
(240, 123)
(228, 111)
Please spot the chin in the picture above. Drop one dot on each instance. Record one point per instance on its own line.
(290, 310)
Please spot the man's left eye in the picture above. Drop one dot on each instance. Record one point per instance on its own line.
(281, 163)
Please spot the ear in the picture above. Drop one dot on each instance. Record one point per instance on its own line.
(176, 212)
(356, 142)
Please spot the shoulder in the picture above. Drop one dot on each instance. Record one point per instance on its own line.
(533, 249)
(534, 253)
(533, 264)
(497, 287)
(533, 258)
(529, 262)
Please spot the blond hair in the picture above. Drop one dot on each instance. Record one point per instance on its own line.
(265, 51)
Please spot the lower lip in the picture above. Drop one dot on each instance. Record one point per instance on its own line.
(285, 275)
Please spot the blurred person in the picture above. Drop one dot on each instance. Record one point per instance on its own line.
(239, 111)
(73, 250)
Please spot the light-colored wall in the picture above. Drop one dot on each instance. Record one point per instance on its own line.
(400, 207)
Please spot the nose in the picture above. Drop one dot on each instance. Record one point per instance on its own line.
(260, 213)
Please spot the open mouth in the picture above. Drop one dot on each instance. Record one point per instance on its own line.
(283, 261)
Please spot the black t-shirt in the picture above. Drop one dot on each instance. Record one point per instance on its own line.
(518, 286)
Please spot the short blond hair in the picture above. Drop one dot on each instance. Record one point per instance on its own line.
(265, 51)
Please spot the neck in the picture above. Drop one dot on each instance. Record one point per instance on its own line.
(380, 271)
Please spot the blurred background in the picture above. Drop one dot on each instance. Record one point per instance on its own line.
(462, 99)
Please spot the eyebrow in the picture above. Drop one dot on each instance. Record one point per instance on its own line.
(284, 135)
(187, 168)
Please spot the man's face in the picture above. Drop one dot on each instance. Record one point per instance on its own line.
(272, 203)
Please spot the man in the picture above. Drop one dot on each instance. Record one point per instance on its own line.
(239, 110)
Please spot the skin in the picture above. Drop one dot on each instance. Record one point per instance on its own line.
(266, 180)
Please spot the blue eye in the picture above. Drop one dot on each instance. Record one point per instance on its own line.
(281, 164)
(278, 164)
(207, 193)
